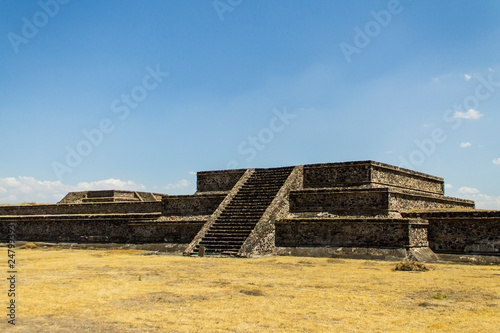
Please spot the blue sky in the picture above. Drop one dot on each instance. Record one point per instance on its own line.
(142, 94)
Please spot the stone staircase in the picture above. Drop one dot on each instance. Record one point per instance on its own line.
(228, 233)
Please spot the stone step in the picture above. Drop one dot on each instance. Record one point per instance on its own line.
(223, 233)
(262, 184)
(219, 238)
(254, 213)
(239, 213)
(239, 218)
(257, 187)
(232, 229)
(220, 252)
(244, 204)
(220, 248)
(249, 201)
(231, 212)
(220, 242)
(230, 224)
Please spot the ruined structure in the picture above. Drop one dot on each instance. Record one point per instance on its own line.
(352, 209)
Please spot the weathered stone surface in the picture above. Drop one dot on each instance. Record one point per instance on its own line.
(364, 173)
(182, 205)
(110, 196)
(89, 208)
(368, 202)
(126, 228)
(348, 209)
(352, 232)
(367, 253)
(262, 239)
(225, 180)
(462, 231)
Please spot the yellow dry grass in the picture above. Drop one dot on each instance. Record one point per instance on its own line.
(123, 291)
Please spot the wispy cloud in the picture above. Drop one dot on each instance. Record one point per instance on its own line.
(468, 190)
(181, 184)
(483, 201)
(467, 77)
(29, 189)
(465, 144)
(497, 161)
(471, 114)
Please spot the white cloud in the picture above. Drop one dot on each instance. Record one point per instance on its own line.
(497, 161)
(465, 144)
(483, 201)
(468, 190)
(428, 125)
(192, 172)
(28, 189)
(181, 184)
(448, 186)
(467, 77)
(10, 182)
(471, 114)
(110, 184)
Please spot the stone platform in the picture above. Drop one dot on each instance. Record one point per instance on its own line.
(334, 209)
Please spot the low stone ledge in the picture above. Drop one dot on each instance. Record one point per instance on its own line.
(85, 208)
(351, 232)
(348, 219)
(452, 214)
(471, 258)
(174, 248)
(348, 202)
(78, 217)
(369, 172)
(366, 253)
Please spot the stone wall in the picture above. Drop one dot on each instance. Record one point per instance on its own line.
(462, 231)
(344, 203)
(336, 175)
(401, 201)
(109, 196)
(90, 208)
(182, 205)
(389, 175)
(369, 174)
(126, 228)
(225, 180)
(350, 232)
(368, 202)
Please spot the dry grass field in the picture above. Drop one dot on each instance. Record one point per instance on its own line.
(126, 291)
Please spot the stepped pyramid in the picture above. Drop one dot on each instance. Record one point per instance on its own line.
(362, 209)
(229, 231)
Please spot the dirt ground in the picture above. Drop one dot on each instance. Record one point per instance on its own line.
(130, 291)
